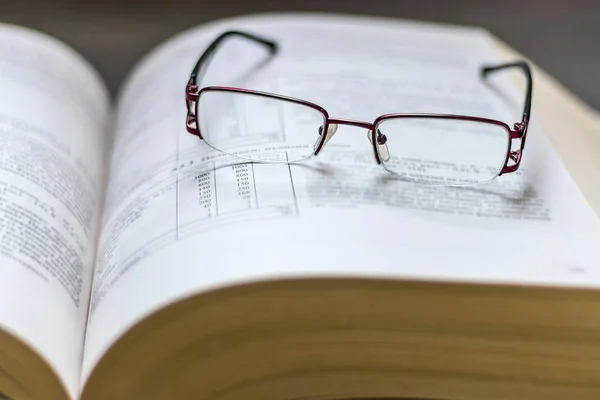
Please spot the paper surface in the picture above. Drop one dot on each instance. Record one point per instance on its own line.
(53, 115)
(181, 219)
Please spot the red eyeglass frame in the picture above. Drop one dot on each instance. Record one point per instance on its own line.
(193, 93)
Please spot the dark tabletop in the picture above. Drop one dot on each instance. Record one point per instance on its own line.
(562, 36)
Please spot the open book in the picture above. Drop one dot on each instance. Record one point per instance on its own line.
(138, 263)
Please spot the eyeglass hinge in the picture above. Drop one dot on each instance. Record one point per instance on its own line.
(520, 127)
(191, 92)
(516, 156)
(191, 97)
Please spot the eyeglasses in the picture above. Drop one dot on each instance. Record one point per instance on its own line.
(265, 127)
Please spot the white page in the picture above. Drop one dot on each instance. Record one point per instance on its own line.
(180, 220)
(53, 117)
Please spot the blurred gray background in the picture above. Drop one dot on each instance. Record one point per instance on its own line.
(562, 36)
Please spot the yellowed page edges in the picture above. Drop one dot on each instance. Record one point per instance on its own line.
(25, 375)
(344, 338)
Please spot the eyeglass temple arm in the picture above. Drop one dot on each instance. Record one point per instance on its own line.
(191, 89)
(202, 62)
(523, 66)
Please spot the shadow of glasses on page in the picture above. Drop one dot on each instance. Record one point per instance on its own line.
(512, 192)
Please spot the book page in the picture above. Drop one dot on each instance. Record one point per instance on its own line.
(53, 118)
(182, 218)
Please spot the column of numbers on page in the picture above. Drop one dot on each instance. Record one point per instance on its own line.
(228, 194)
(203, 198)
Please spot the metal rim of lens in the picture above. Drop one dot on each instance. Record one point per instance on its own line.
(474, 120)
(275, 97)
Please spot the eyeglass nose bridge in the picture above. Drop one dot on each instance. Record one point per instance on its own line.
(330, 128)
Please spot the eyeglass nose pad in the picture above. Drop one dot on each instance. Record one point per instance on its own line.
(331, 129)
(382, 148)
